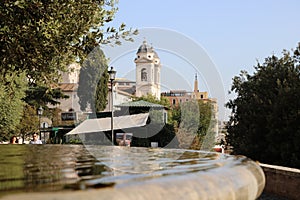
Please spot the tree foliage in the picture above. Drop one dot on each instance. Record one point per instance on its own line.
(93, 80)
(152, 99)
(101, 92)
(42, 95)
(193, 120)
(39, 38)
(194, 114)
(265, 123)
(29, 122)
(43, 37)
(156, 115)
(12, 90)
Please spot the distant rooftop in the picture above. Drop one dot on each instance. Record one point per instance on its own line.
(140, 104)
(124, 80)
(68, 87)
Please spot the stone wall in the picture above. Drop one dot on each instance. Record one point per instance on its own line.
(282, 181)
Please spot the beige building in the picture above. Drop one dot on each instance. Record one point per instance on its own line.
(196, 94)
(147, 71)
(148, 80)
(148, 68)
(69, 86)
(123, 91)
(70, 108)
(176, 97)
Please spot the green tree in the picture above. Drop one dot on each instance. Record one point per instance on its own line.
(101, 92)
(29, 122)
(265, 122)
(54, 115)
(43, 37)
(40, 38)
(156, 116)
(193, 127)
(12, 90)
(43, 95)
(152, 99)
(93, 80)
(157, 130)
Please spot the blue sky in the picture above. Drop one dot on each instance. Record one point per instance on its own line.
(233, 35)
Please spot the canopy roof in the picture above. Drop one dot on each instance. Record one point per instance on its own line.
(140, 104)
(104, 124)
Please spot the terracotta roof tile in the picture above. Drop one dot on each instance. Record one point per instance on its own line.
(67, 87)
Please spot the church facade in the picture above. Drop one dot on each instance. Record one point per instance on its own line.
(147, 81)
(148, 69)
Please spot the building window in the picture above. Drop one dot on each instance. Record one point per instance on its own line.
(144, 75)
(201, 96)
(174, 102)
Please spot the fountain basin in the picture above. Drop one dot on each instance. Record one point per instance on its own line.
(106, 172)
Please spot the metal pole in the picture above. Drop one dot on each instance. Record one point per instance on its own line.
(40, 127)
(40, 112)
(112, 113)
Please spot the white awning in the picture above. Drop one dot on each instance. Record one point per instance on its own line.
(104, 124)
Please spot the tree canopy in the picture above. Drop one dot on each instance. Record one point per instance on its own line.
(39, 39)
(93, 80)
(152, 99)
(194, 121)
(42, 37)
(12, 90)
(265, 121)
(29, 122)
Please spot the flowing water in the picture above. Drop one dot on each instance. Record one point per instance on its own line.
(63, 168)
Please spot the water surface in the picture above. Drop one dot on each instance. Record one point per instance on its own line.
(42, 168)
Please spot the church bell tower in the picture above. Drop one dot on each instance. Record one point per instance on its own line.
(147, 71)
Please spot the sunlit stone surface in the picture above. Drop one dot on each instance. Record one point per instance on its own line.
(106, 172)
